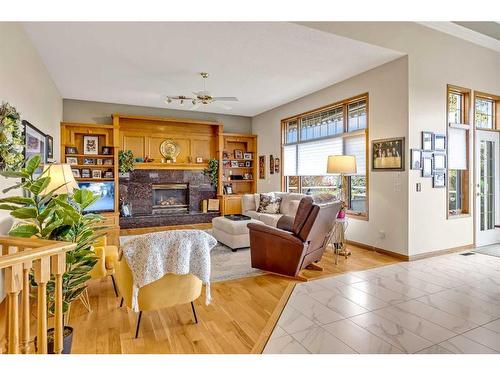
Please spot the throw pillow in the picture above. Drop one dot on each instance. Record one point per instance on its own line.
(269, 203)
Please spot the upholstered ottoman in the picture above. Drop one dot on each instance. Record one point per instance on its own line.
(232, 233)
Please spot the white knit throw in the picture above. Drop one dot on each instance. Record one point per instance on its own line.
(151, 256)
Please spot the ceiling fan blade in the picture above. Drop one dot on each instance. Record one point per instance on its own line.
(221, 105)
(226, 98)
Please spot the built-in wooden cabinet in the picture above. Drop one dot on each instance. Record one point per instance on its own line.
(238, 170)
(72, 137)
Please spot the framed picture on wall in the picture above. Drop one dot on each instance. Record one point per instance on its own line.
(262, 167)
(415, 159)
(50, 146)
(439, 142)
(388, 154)
(427, 141)
(34, 143)
(426, 164)
(439, 180)
(271, 164)
(439, 162)
(276, 165)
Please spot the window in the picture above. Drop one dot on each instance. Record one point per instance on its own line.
(483, 113)
(458, 150)
(308, 140)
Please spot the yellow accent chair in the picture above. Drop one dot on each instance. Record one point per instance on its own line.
(107, 255)
(169, 291)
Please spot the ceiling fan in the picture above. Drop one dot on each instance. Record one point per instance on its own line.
(202, 97)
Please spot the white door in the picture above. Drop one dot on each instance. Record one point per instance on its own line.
(487, 187)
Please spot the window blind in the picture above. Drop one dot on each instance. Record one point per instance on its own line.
(457, 148)
(313, 156)
(356, 146)
(290, 160)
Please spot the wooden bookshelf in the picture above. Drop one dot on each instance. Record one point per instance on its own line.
(231, 144)
(72, 135)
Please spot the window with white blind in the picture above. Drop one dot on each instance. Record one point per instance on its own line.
(309, 139)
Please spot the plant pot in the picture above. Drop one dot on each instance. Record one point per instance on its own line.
(67, 340)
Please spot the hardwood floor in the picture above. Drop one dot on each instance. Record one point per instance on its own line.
(242, 313)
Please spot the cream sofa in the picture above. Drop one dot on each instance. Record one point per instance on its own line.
(289, 205)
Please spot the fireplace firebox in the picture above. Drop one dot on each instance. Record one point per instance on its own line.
(170, 198)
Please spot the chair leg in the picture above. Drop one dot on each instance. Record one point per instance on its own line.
(121, 302)
(194, 313)
(114, 285)
(138, 324)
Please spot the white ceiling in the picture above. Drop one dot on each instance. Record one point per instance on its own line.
(263, 64)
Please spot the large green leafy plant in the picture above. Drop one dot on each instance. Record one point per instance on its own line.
(60, 217)
(126, 161)
(212, 172)
(11, 138)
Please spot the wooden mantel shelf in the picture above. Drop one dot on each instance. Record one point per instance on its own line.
(176, 166)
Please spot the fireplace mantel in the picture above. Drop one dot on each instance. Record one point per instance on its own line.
(173, 166)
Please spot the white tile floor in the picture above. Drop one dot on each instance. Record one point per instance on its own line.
(441, 305)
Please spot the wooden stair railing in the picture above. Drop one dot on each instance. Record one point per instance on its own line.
(17, 257)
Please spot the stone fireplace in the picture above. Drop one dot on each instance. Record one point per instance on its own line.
(160, 197)
(170, 198)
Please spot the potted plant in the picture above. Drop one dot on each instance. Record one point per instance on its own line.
(56, 217)
(212, 172)
(11, 138)
(126, 162)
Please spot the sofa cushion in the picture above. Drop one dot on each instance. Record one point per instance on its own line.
(253, 214)
(248, 203)
(269, 203)
(270, 219)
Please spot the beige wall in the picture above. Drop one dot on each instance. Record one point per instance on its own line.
(387, 86)
(26, 84)
(435, 59)
(97, 112)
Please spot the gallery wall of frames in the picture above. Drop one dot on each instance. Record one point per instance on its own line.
(430, 159)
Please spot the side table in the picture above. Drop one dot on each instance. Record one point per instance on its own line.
(337, 240)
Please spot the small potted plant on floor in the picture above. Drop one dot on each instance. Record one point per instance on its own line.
(60, 217)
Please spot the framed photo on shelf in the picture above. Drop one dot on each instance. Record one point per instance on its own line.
(107, 162)
(439, 142)
(416, 159)
(234, 163)
(88, 161)
(439, 180)
(49, 141)
(108, 174)
(228, 189)
(71, 150)
(98, 161)
(71, 160)
(262, 167)
(427, 141)
(85, 173)
(426, 164)
(76, 173)
(439, 162)
(388, 154)
(241, 164)
(199, 160)
(90, 145)
(213, 205)
(248, 164)
(96, 173)
(107, 150)
(247, 155)
(238, 154)
(226, 155)
(248, 176)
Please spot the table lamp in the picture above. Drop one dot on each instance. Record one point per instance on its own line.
(343, 164)
(60, 174)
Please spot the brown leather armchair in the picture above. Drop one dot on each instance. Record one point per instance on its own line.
(296, 243)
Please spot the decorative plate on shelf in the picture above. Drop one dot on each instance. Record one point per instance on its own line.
(170, 149)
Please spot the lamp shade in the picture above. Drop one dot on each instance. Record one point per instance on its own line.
(60, 174)
(341, 164)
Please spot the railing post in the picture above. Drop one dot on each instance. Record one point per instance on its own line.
(25, 301)
(42, 276)
(13, 285)
(58, 268)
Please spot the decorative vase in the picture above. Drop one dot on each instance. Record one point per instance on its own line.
(341, 214)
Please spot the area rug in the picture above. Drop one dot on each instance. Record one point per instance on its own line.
(226, 265)
(493, 250)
